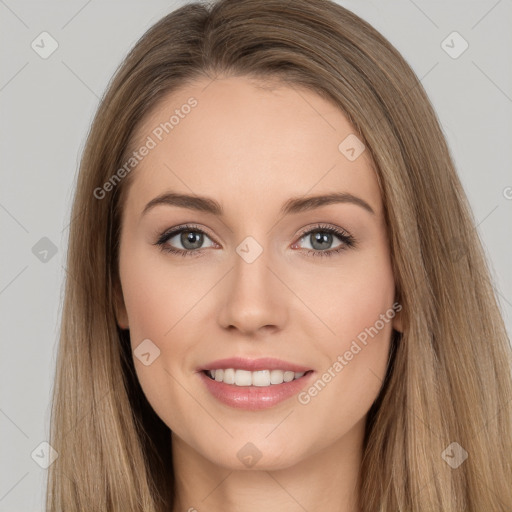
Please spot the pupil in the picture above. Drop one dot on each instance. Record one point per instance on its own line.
(187, 238)
(321, 238)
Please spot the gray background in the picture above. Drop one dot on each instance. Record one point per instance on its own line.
(46, 109)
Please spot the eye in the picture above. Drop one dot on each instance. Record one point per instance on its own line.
(322, 236)
(192, 238)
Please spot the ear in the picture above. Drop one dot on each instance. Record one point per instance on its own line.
(119, 307)
(398, 318)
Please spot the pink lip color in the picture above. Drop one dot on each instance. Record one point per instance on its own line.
(264, 363)
(254, 397)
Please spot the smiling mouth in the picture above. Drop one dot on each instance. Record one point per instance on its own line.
(259, 378)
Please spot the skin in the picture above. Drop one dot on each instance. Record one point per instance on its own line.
(251, 149)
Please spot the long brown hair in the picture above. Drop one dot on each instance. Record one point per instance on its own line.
(449, 378)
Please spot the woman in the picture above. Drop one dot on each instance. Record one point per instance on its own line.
(209, 360)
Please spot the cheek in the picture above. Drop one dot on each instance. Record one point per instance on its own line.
(160, 304)
(156, 294)
(350, 296)
(357, 307)
(361, 301)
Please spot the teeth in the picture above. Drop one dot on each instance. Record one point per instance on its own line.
(242, 377)
(257, 378)
(229, 376)
(288, 376)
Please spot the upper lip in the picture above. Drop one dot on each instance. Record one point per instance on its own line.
(264, 363)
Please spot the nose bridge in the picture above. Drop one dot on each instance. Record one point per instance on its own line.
(254, 298)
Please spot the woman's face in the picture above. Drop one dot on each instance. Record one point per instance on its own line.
(258, 273)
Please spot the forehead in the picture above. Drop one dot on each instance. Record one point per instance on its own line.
(247, 144)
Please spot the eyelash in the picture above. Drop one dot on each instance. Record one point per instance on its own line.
(348, 241)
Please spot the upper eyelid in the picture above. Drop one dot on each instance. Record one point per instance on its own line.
(169, 233)
(326, 227)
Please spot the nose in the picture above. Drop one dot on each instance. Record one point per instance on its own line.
(254, 298)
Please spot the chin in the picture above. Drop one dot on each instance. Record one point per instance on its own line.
(252, 455)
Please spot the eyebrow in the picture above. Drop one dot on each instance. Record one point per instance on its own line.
(293, 205)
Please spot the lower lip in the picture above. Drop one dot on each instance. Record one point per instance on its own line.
(254, 397)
